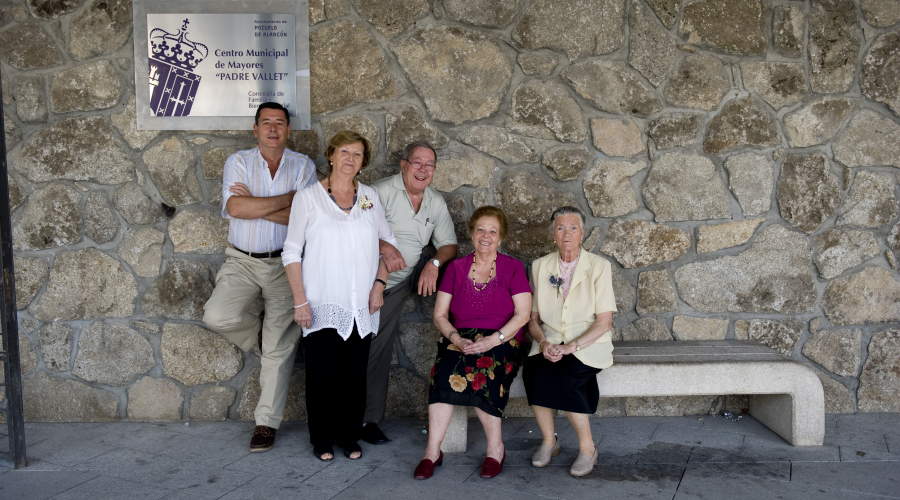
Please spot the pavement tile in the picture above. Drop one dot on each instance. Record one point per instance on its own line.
(198, 483)
(209, 452)
(286, 460)
(24, 484)
(865, 440)
(893, 443)
(691, 436)
(768, 470)
(387, 483)
(337, 477)
(696, 485)
(763, 449)
(746, 425)
(628, 450)
(77, 449)
(875, 478)
(127, 464)
(871, 422)
(853, 454)
(111, 488)
(605, 481)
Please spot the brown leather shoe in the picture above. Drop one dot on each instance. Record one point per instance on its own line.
(491, 467)
(263, 439)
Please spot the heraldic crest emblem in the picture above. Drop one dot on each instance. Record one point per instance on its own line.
(173, 84)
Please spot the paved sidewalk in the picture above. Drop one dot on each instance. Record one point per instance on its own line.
(640, 457)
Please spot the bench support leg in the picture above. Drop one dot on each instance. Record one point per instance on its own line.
(798, 422)
(458, 433)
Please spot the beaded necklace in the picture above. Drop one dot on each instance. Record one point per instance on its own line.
(335, 201)
(490, 275)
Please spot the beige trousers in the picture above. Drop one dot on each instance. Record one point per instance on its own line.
(240, 280)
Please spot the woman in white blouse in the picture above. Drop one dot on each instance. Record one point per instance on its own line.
(337, 285)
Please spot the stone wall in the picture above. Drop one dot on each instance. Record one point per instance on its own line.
(737, 160)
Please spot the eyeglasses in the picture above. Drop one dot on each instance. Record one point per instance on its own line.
(422, 166)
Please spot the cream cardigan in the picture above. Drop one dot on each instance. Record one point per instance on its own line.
(590, 293)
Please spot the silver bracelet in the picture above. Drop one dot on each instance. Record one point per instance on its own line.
(301, 305)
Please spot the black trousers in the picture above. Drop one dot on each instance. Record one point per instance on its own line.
(335, 386)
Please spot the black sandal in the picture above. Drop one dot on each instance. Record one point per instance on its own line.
(350, 448)
(318, 452)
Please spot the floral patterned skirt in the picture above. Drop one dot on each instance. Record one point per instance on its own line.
(481, 380)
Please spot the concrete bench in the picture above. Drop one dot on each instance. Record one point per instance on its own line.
(785, 395)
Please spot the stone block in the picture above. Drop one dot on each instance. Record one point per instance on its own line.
(101, 29)
(608, 189)
(484, 13)
(49, 219)
(406, 124)
(112, 354)
(880, 13)
(612, 86)
(779, 335)
(879, 382)
(690, 328)
(88, 87)
(31, 100)
(30, 273)
(733, 26)
(211, 404)
(646, 329)
(675, 130)
(142, 250)
(180, 292)
(700, 81)
(591, 27)
(407, 395)
(294, 409)
(138, 208)
(683, 187)
(50, 399)
(617, 137)
(741, 123)
(834, 43)
(787, 30)
(779, 84)
(655, 293)
(773, 275)
(565, 163)
(808, 191)
(546, 110)
(869, 140)
(362, 125)
(86, 284)
(871, 202)
(472, 82)
(638, 243)
(126, 124)
(871, 295)
(56, 346)
(391, 17)
(528, 200)
(154, 400)
(194, 355)
(499, 143)
(836, 350)
(171, 164)
(463, 168)
(199, 231)
(536, 65)
(28, 47)
(731, 234)
(77, 149)
(651, 50)
(817, 122)
(837, 396)
(668, 406)
(835, 251)
(100, 222)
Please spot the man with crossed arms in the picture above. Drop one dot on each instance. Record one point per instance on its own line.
(258, 187)
(416, 214)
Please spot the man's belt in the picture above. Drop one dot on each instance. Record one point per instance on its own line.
(261, 255)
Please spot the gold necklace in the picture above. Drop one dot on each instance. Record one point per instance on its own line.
(490, 275)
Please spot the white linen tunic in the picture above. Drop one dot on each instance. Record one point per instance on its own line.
(339, 257)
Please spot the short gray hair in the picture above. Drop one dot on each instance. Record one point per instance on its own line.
(567, 210)
(404, 155)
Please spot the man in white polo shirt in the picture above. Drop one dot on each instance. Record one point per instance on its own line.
(417, 215)
(258, 186)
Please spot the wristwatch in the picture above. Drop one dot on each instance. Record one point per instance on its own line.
(502, 337)
(577, 347)
(436, 263)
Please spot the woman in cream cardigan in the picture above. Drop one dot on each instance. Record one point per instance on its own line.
(571, 317)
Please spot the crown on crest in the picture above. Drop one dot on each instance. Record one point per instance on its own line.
(176, 49)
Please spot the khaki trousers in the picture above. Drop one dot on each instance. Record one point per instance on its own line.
(240, 280)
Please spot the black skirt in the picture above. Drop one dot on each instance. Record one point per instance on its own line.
(567, 385)
(481, 380)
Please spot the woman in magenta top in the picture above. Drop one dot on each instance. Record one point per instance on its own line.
(483, 303)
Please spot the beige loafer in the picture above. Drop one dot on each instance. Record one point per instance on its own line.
(584, 464)
(543, 454)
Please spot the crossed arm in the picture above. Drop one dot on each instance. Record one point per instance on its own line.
(243, 205)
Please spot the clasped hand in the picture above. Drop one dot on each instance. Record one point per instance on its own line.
(555, 352)
(482, 345)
